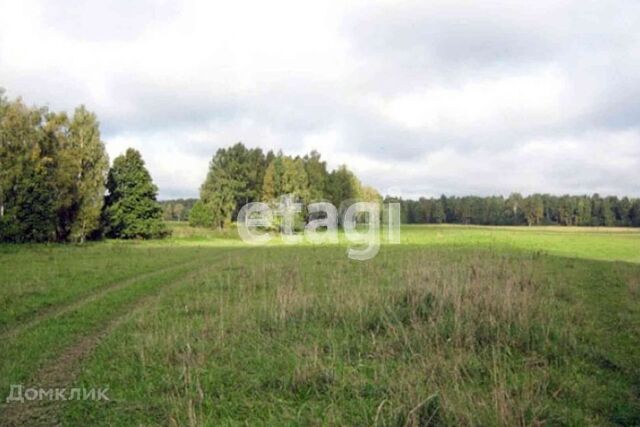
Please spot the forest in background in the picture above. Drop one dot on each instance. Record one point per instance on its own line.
(535, 209)
(239, 175)
(176, 209)
(56, 185)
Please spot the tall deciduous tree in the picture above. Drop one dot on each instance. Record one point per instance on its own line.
(92, 165)
(52, 173)
(514, 208)
(82, 170)
(533, 209)
(286, 176)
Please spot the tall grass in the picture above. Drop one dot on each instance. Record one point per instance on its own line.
(280, 336)
(456, 326)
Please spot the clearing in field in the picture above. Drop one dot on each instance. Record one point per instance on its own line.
(455, 326)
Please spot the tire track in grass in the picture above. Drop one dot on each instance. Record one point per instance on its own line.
(78, 291)
(67, 366)
(75, 304)
(22, 354)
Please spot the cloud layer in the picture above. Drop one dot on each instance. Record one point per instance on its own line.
(419, 98)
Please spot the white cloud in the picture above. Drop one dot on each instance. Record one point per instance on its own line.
(521, 100)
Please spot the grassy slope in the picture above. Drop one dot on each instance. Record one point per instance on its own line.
(459, 325)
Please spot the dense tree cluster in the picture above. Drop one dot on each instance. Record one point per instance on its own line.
(239, 175)
(535, 209)
(53, 170)
(52, 173)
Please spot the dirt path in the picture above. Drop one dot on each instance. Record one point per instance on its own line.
(101, 291)
(62, 371)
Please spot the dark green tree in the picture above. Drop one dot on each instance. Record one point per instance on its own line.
(317, 175)
(437, 212)
(234, 179)
(27, 174)
(131, 210)
(635, 213)
(342, 186)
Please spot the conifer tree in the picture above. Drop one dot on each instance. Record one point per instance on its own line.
(131, 209)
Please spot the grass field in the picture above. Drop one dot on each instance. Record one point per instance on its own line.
(455, 326)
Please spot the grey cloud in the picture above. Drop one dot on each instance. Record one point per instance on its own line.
(394, 49)
(146, 106)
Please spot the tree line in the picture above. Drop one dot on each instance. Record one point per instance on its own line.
(535, 209)
(56, 183)
(239, 175)
(177, 209)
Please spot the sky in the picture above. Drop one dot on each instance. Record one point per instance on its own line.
(417, 98)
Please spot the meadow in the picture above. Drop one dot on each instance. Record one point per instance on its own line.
(455, 326)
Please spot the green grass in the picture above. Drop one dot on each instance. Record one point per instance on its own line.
(598, 243)
(455, 326)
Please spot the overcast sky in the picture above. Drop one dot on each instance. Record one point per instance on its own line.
(418, 98)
